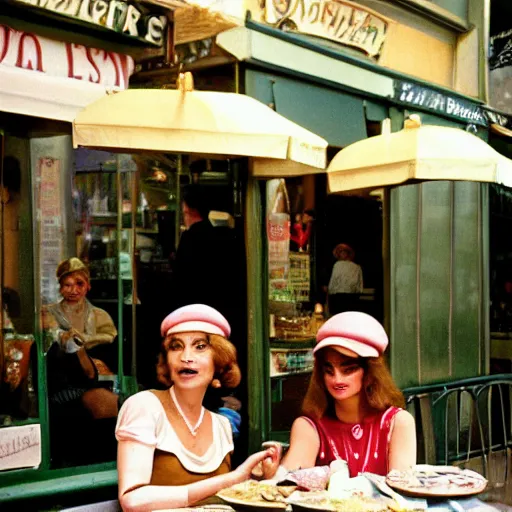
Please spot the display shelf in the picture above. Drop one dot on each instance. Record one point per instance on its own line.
(292, 344)
(290, 374)
(146, 231)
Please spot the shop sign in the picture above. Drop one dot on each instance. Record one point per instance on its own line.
(338, 20)
(116, 15)
(55, 58)
(500, 71)
(20, 447)
(430, 99)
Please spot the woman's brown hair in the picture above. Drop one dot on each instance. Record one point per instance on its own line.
(227, 370)
(379, 387)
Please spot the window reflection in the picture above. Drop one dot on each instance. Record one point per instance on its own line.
(18, 357)
(81, 319)
(77, 396)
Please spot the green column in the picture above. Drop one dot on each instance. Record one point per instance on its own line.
(257, 355)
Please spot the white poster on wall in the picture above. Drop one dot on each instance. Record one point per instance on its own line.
(20, 447)
(50, 226)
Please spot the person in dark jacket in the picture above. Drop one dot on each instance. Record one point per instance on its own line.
(206, 269)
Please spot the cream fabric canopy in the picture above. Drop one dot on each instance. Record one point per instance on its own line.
(417, 153)
(199, 122)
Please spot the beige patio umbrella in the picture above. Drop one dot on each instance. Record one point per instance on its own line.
(417, 153)
(203, 122)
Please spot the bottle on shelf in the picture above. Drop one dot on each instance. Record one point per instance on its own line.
(317, 320)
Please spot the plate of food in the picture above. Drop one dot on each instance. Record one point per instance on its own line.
(322, 501)
(437, 481)
(253, 495)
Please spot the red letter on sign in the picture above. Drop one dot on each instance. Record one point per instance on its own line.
(112, 57)
(39, 53)
(71, 63)
(90, 58)
(5, 41)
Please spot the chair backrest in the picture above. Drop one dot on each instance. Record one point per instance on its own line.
(465, 422)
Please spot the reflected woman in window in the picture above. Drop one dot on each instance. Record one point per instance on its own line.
(172, 452)
(352, 409)
(73, 326)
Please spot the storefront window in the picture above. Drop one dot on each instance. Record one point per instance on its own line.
(324, 257)
(18, 354)
(84, 223)
(500, 282)
(293, 320)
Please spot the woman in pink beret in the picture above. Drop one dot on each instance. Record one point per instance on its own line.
(172, 452)
(353, 410)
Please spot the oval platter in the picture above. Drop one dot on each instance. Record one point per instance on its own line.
(437, 481)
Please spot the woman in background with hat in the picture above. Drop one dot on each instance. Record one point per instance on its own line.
(74, 317)
(352, 410)
(346, 276)
(72, 326)
(346, 282)
(172, 452)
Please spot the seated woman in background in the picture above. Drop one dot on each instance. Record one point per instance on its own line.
(73, 325)
(172, 452)
(352, 410)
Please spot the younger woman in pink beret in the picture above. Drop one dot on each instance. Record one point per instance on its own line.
(352, 410)
(172, 452)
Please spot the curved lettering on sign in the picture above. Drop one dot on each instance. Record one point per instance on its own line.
(117, 15)
(337, 20)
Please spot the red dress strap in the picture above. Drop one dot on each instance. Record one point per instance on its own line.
(364, 446)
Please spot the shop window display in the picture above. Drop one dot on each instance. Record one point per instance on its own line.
(294, 319)
(308, 231)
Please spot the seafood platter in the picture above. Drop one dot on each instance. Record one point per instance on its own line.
(316, 489)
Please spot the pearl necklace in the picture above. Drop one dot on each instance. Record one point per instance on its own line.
(192, 429)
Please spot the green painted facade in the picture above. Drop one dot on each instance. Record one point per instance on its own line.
(438, 296)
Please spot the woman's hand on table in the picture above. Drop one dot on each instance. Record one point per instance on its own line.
(243, 472)
(270, 464)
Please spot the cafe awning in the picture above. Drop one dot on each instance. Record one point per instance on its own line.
(201, 122)
(417, 153)
(31, 93)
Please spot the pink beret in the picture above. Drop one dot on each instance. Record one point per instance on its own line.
(196, 317)
(353, 330)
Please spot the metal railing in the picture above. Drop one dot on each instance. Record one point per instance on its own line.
(462, 420)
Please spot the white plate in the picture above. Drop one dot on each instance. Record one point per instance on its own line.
(266, 506)
(442, 491)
